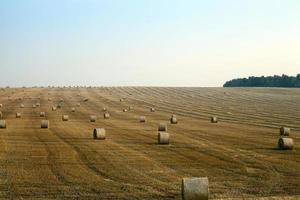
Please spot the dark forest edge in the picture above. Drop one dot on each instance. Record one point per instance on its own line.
(266, 81)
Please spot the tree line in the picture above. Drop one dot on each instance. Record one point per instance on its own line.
(265, 81)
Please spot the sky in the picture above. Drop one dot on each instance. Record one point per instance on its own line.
(146, 42)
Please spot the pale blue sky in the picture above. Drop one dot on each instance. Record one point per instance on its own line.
(146, 42)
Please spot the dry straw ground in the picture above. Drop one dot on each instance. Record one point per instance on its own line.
(238, 154)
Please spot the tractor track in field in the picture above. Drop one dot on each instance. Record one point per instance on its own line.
(91, 165)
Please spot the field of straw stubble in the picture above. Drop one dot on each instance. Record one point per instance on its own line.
(239, 154)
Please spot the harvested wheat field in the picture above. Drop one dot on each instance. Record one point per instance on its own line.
(239, 154)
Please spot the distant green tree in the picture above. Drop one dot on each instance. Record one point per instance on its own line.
(268, 81)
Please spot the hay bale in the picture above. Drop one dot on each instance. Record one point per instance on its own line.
(106, 115)
(163, 138)
(121, 100)
(162, 127)
(1, 115)
(173, 119)
(78, 105)
(86, 99)
(152, 109)
(195, 188)
(49, 99)
(99, 133)
(18, 115)
(38, 104)
(214, 119)
(73, 109)
(1, 105)
(53, 108)
(284, 131)
(104, 109)
(125, 110)
(33, 106)
(42, 114)
(65, 117)
(2, 124)
(22, 106)
(45, 124)
(142, 119)
(93, 118)
(285, 143)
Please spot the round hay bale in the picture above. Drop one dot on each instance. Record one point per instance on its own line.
(285, 143)
(93, 118)
(2, 124)
(173, 119)
(78, 105)
(162, 127)
(1, 105)
(38, 104)
(121, 100)
(49, 99)
(195, 188)
(104, 109)
(284, 131)
(73, 109)
(33, 106)
(45, 124)
(106, 115)
(214, 119)
(65, 117)
(22, 106)
(86, 99)
(125, 110)
(163, 138)
(1, 115)
(99, 133)
(53, 108)
(42, 114)
(142, 119)
(18, 115)
(152, 109)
